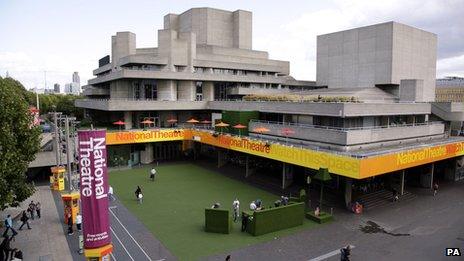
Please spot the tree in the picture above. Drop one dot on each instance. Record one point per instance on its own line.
(19, 143)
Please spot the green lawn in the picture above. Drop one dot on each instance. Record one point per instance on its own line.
(173, 207)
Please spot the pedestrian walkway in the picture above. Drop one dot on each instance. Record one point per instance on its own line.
(46, 239)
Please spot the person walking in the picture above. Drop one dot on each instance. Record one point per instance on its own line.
(435, 189)
(236, 207)
(79, 222)
(9, 225)
(25, 220)
(37, 209)
(152, 174)
(140, 198)
(70, 223)
(137, 192)
(345, 253)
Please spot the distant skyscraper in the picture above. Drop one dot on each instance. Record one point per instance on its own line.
(56, 88)
(76, 78)
(75, 86)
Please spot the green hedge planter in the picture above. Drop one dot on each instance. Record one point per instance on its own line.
(218, 221)
(322, 218)
(277, 218)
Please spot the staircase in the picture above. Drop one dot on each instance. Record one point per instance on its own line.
(382, 198)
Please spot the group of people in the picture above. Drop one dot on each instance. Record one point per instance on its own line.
(6, 251)
(70, 220)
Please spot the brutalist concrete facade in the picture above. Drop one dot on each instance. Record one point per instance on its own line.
(378, 55)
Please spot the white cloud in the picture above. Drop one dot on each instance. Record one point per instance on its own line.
(453, 66)
(32, 70)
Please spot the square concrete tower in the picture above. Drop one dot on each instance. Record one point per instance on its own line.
(377, 55)
(214, 27)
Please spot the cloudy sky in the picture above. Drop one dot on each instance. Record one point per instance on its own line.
(61, 37)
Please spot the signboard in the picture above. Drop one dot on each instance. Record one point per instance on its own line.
(344, 165)
(409, 158)
(129, 137)
(94, 188)
(338, 164)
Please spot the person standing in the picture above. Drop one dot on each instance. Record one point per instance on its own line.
(5, 248)
(140, 198)
(236, 207)
(110, 192)
(25, 220)
(152, 174)
(79, 222)
(252, 206)
(31, 209)
(9, 225)
(37, 209)
(70, 223)
(435, 189)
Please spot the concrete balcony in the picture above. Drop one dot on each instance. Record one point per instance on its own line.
(93, 91)
(351, 136)
(449, 111)
(335, 109)
(103, 69)
(139, 105)
(248, 91)
(188, 76)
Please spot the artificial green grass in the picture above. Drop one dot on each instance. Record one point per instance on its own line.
(174, 205)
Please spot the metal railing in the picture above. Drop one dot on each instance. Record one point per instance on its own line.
(310, 126)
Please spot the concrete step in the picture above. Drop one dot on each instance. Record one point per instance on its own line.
(382, 198)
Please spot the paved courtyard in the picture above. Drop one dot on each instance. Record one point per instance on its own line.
(418, 229)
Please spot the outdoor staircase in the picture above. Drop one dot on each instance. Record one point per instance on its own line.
(382, 198)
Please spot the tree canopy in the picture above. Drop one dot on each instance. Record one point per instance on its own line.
(58, 102)
(19, 143)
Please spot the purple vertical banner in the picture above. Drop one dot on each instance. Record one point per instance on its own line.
(94, 188)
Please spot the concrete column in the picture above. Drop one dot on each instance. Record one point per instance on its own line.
(348, 191)
(167, 90)
(128, 120)
(426, 179)
(248, 170)
(146, 156)
(432, 169)
(221, 158)
(208, 91)
(186, 90)
(402, 182)
(287, 175)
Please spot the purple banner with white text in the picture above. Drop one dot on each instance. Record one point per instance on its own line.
(94, 188)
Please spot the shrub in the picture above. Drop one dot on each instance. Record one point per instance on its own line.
(218, 221)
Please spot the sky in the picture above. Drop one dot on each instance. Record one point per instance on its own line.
(44, 42)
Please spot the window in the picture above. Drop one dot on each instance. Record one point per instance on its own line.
(199, 91)
(151, 91)
(136, 91)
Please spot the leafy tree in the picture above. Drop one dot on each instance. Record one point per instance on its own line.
(19, 142)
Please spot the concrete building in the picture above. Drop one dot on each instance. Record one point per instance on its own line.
(75, 86)
(72, 88)
(369, 115)
(76, 78)
(56, 88)
(378, 55)
(450, 89)
(203, 54)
